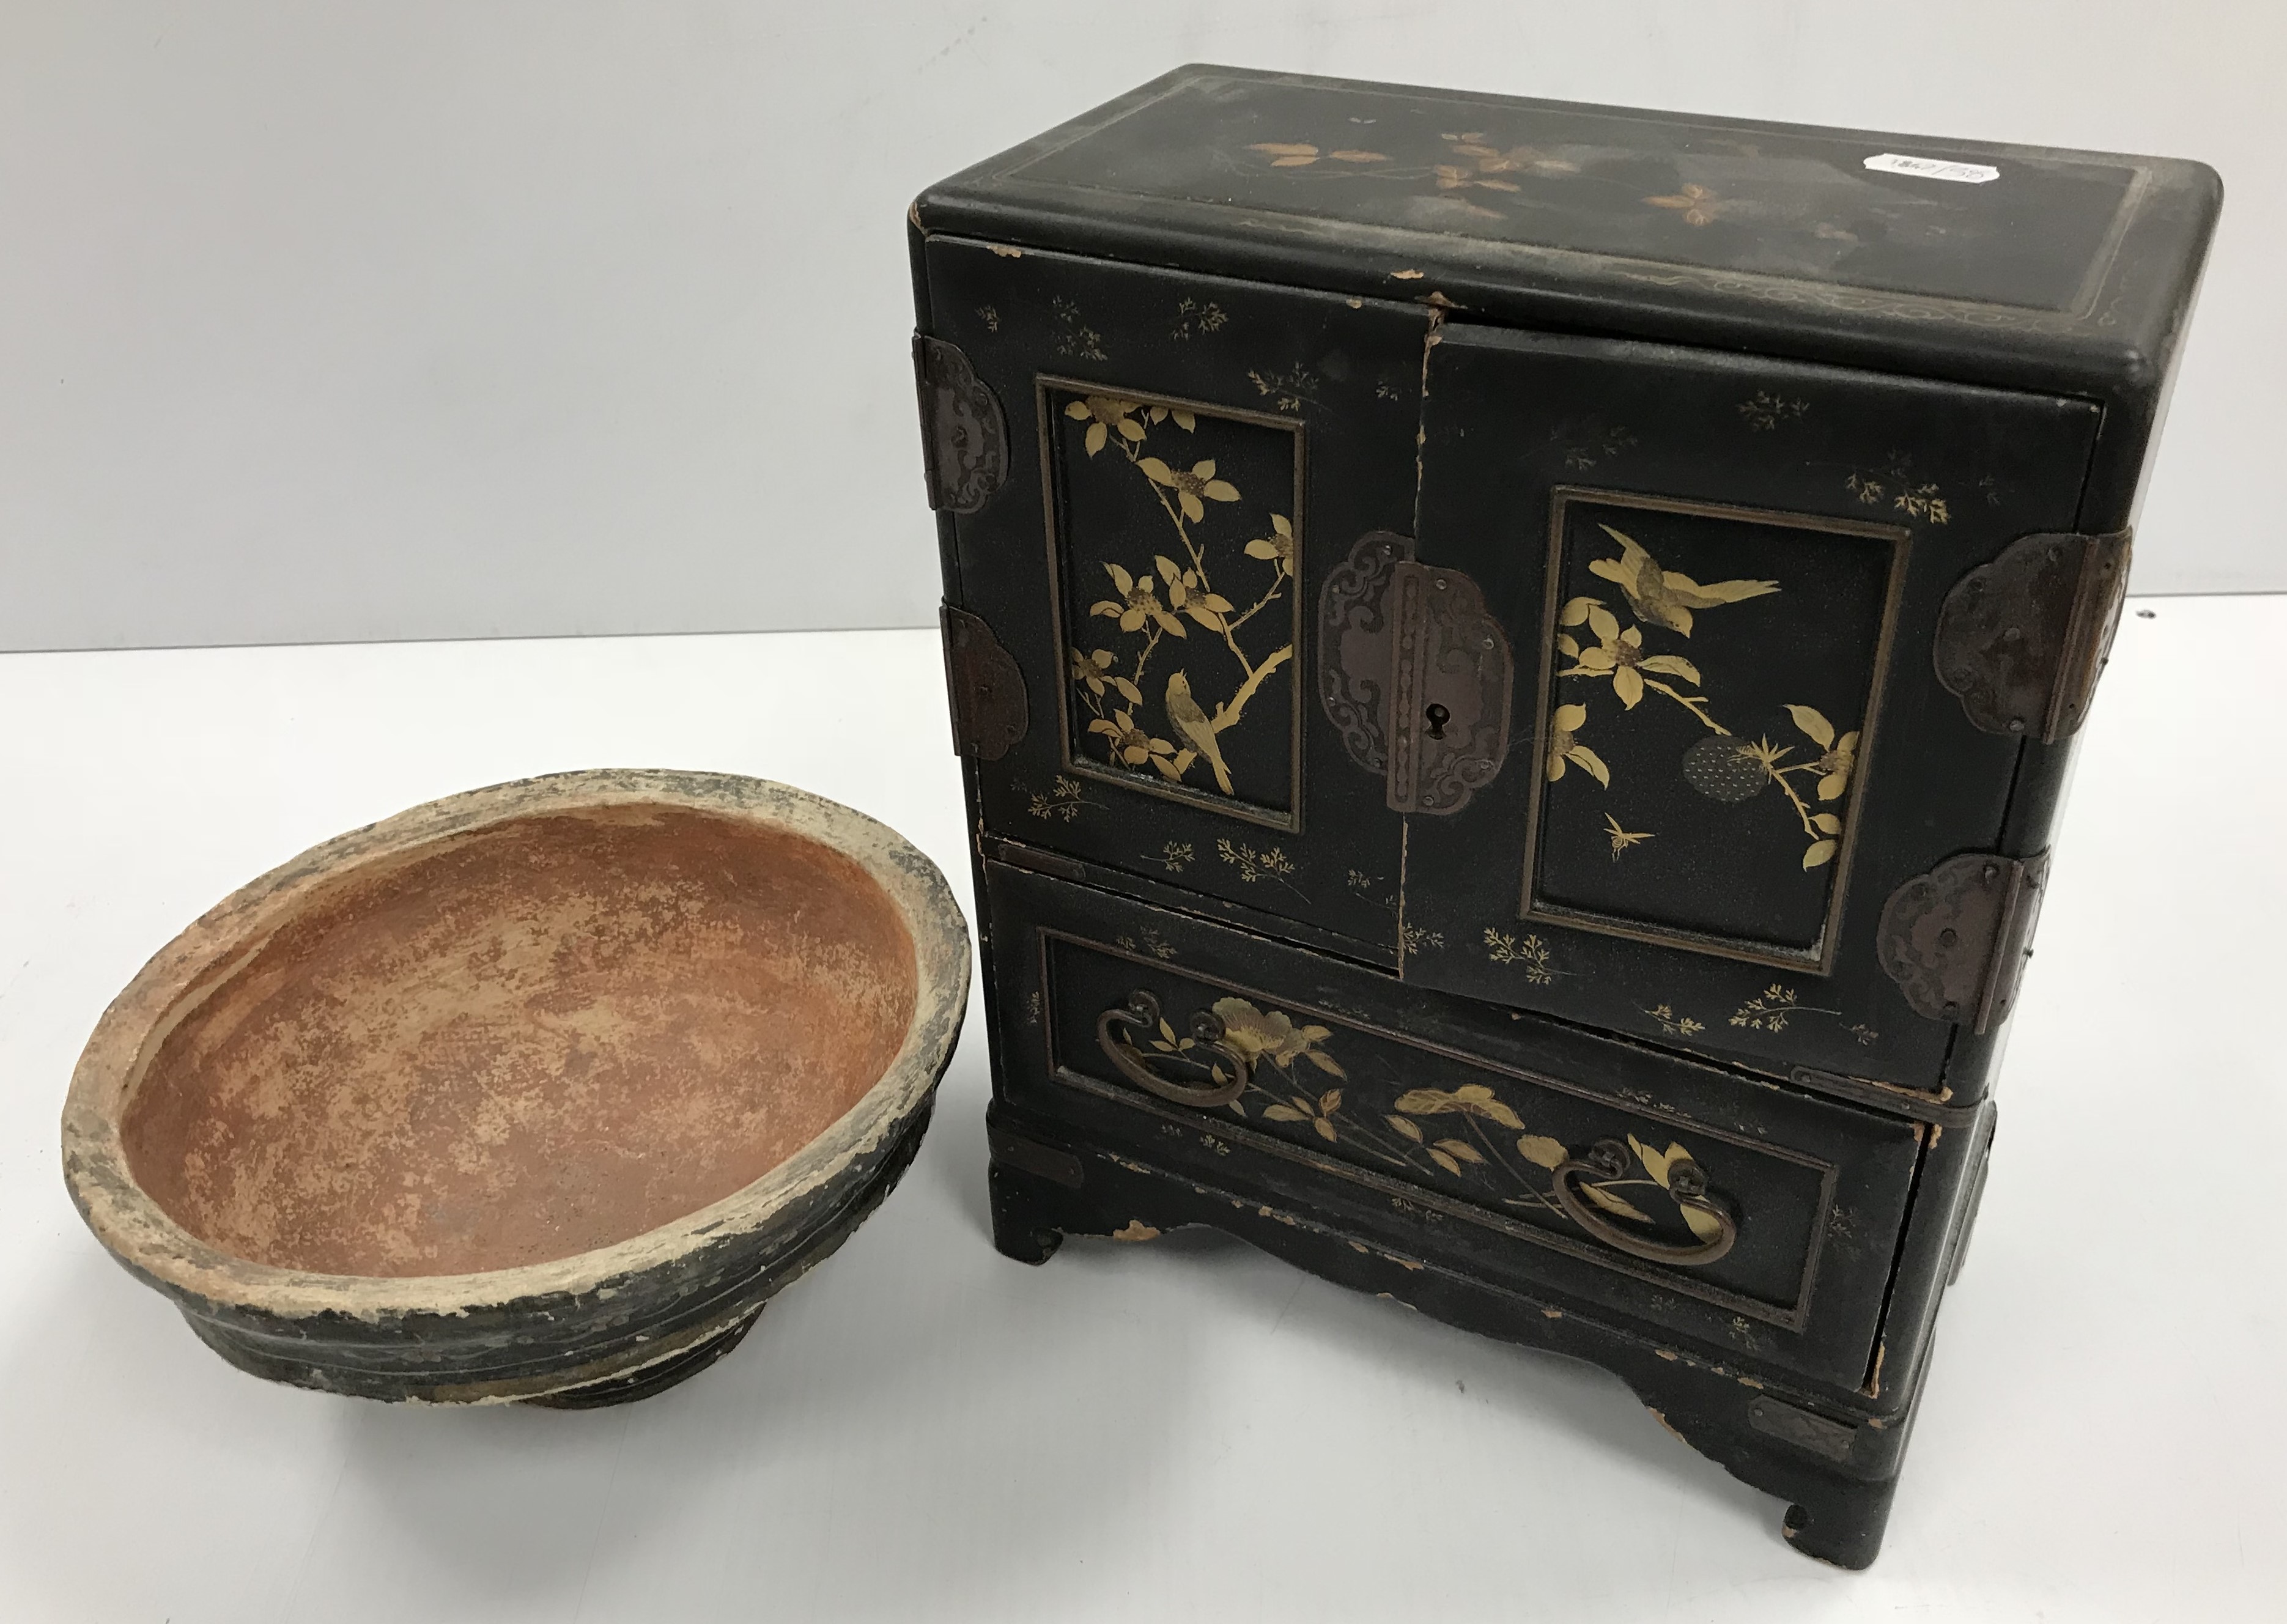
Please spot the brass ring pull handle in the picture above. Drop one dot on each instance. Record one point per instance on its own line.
(1116, 1029)
(1609, 1159)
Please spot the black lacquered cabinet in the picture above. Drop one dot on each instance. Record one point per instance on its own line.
(1517, 665)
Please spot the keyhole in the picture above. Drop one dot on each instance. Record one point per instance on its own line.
(1438, 716)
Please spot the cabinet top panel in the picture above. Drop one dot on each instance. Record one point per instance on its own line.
(1997, 262)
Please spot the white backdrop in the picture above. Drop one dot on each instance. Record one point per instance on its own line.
(433, 318)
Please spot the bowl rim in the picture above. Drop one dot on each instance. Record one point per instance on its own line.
(209, 951)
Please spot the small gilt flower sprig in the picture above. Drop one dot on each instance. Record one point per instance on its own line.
(1831, 769)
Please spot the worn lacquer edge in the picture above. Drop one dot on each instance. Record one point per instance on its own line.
(201, 959)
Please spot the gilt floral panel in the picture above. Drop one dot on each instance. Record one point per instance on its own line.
(1175, 532)
(1468, 1136)
(1476, 1140)
(1711, 678)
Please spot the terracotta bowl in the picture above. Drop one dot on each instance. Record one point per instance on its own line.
(535, 1093)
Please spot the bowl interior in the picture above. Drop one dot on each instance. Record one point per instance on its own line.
(549, 1035)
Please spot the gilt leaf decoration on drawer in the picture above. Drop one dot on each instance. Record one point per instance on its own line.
(1466, 1139)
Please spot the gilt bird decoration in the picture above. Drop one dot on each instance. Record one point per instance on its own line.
(1192, 723)
(1664, 597)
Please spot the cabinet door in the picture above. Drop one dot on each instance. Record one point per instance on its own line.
(1187, 458)
(1722, 577)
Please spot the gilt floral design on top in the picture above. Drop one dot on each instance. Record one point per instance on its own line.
(1477, 175)
(1672, 189)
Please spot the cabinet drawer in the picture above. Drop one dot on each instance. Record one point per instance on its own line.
(1710, 1203)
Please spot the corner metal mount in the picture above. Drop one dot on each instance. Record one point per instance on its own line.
(964, 437)
(990, 713)
(2021, 640)
(1956, 939)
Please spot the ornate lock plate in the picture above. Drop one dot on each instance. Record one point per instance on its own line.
(1416, 674)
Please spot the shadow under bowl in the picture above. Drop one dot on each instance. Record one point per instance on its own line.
(535, 1093)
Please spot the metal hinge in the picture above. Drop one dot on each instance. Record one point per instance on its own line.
(989, 710)
(2021, 641)
(1414, 673)
(964, 437)
(1956, 939)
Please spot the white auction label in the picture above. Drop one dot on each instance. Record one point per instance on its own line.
(1933, 169)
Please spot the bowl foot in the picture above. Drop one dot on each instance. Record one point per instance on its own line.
(653, 1378)
(512, 1367)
